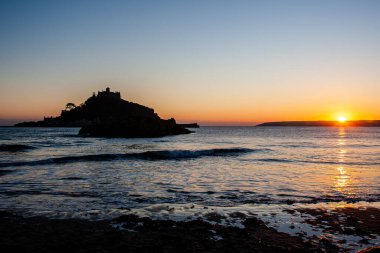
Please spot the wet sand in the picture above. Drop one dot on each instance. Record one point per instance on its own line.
(361, 222)
(130, 233)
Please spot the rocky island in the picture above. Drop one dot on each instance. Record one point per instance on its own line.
(106, 114)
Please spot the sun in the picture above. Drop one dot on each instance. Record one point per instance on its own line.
(342, 119)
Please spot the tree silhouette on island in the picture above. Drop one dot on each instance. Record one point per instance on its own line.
(106, 114)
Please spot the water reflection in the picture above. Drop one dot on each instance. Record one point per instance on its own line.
(342, 136)
(342, 178)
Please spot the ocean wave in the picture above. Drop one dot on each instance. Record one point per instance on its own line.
(275, 160)
(4, 172)
(182, 154)
(148, 155)
(14, 147)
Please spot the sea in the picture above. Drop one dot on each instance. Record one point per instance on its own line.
(258, 170)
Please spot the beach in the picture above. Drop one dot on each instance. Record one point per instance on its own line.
(130, 233)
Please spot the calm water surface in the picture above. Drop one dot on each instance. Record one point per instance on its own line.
(216, 166)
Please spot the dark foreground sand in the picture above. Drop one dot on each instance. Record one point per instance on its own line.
(348, 220)
(40, 234)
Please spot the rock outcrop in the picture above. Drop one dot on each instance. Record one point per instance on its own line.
(133, 127)
(108, 115)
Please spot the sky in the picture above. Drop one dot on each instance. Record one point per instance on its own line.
(212, 62)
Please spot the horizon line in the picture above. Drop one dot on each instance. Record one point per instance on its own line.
(219, 124)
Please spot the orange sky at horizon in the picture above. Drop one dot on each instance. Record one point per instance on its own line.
(215, 111)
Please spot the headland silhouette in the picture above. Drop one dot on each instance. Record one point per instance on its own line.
(106, 114)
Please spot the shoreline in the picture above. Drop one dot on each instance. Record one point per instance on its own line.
(339, 229)
(134, 234)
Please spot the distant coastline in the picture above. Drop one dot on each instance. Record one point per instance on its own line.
(322, 123)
